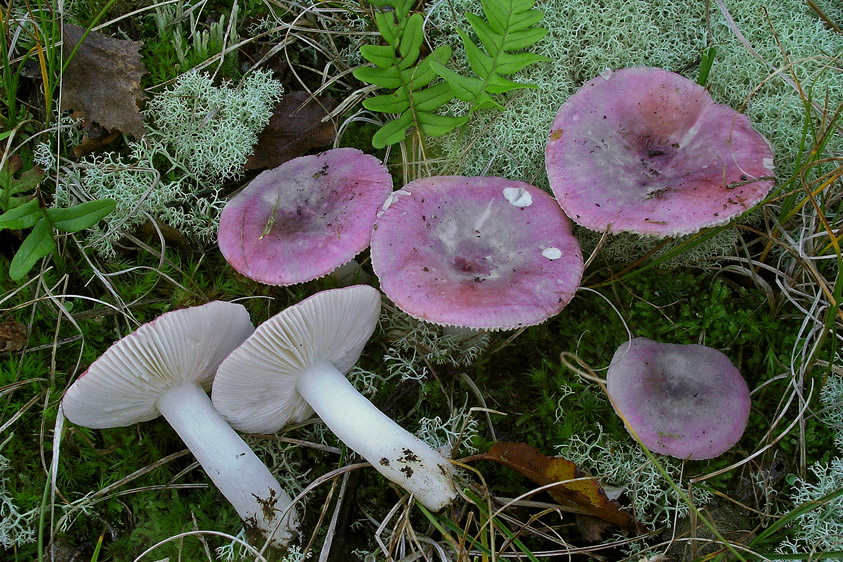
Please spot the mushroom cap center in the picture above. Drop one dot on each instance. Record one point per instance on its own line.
(479, 252)
(299, 212)
(688, 401)
(649, 151)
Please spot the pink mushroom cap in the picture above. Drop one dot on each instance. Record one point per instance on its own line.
(305, 218)
(476, 252)
(645, 150)
(686, 401)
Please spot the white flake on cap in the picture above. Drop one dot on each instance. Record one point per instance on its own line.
(552, 253)
(518, 196)
(392, 198)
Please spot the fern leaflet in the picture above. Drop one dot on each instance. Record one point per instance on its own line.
(395, 68)
(509, 28)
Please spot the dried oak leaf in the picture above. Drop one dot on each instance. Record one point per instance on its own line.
(295, 127)
(103, 80)
(585, 496)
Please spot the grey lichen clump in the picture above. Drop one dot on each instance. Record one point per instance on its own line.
(200, 135)
(821, 529)
(429, 342)
(584, 38)
(16, 528)
(625, 466)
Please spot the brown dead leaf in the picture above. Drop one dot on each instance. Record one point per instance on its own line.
(295, 127)
(12, 336)
(103, 80)
(585, 495)
(153, 232)
(95, 138)
(592, 528)
(16, 185)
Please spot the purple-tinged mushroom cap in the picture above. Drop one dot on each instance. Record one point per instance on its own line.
(686, 401)
(645, 150)
(476, 252)
(305, 218)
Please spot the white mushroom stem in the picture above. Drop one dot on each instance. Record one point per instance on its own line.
(232, 466)
(394, 452)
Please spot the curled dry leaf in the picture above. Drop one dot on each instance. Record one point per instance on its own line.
(95, 139)
(577, 489)
(16, 184)
(295, 127)
(12, 336)
(102, 80)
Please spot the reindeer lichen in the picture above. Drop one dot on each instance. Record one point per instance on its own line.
(200, 136)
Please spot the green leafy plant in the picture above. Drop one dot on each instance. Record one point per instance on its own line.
(21, 209)
(706, 62)
(40, 242)
(181, 44)
(510, 27)
(13, 184)
(397, 67)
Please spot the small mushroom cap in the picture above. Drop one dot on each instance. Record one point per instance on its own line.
(305, 218)
(255, 387)
(645, 150)
(686, 401)
(122, 387)
(476, 252)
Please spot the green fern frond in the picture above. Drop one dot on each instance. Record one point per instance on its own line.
(397, 68)
(508, 27)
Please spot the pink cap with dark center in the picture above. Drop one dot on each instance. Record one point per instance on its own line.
(305, 218)
(686, 401)
(476, 252)
(645, 150)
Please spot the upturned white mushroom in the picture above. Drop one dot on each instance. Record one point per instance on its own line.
(294, 364)
(165, 367)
